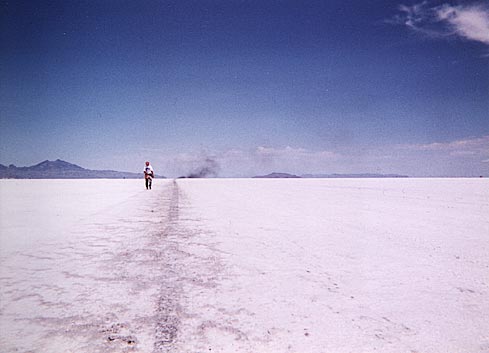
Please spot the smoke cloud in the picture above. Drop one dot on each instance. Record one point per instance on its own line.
(208, 168)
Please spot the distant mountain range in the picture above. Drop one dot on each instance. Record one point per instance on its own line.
(59, 169)
(363, 175)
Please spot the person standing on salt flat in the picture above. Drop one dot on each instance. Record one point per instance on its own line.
(148, 175)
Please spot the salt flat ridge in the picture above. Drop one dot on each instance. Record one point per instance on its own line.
(241, 265)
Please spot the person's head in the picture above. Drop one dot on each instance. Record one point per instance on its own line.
(147, 163)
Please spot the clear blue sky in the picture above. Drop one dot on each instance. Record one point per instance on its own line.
(259, 86)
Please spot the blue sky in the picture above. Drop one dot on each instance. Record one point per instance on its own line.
(259, 86)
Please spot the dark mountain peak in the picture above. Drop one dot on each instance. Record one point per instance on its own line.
(278, 175)
(60, 169)
(57, 164)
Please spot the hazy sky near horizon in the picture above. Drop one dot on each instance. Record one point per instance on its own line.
(259, 86)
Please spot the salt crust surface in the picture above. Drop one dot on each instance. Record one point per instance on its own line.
(244, 265)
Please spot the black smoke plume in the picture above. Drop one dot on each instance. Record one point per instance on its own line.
(209, 168)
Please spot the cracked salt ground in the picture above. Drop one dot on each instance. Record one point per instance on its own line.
(94, 286)
(111, 282)
(245, 266)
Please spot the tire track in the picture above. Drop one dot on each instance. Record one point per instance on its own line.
(190, 269)
(167, 305)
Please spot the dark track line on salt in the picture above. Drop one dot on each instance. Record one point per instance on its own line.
(167, 320)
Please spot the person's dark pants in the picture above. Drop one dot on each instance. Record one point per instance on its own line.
(148, 183)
